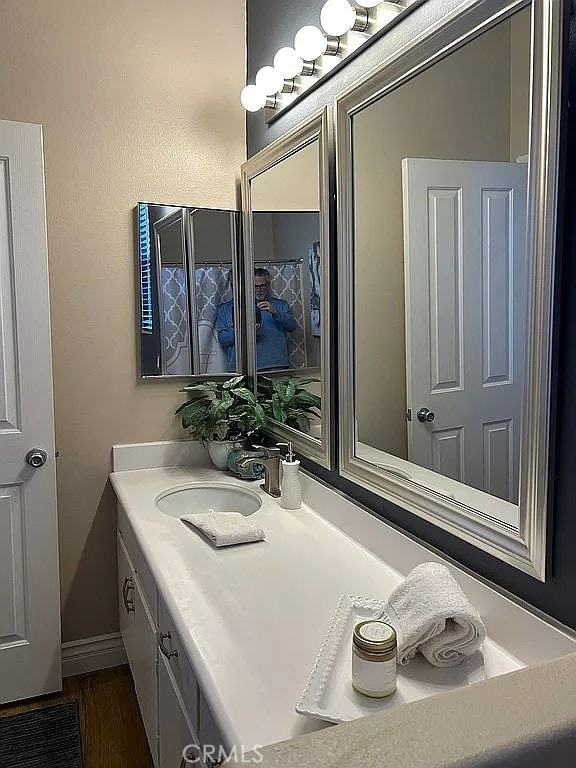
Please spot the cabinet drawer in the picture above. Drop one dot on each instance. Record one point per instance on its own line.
(142, 571)
(172, 650)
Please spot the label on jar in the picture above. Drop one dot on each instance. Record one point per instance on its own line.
(374, 678)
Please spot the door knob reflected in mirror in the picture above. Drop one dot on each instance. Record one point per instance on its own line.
(36, 458)
(425, 415)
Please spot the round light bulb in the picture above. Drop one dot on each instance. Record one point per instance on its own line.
(269, 80)
(310, 43)
(252, 98)
(288, 63)
(337, 17)
(388, 11)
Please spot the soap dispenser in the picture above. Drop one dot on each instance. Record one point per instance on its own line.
(291, 491)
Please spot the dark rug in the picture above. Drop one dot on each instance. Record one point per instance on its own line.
(42, 738)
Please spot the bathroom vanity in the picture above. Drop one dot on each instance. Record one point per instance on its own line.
(221, 642)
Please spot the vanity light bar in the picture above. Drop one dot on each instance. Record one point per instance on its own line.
(296, 68)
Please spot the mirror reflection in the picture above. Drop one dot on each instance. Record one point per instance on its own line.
(187, 261)
(287, 285)
(287, 289)
(440, 271)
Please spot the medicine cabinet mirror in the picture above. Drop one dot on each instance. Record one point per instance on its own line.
(189, 291)
(447, 175)
(284, 191)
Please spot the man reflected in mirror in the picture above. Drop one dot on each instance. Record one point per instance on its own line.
(274, 321)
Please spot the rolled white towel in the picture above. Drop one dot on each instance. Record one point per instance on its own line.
(431, 614)
(224, 529)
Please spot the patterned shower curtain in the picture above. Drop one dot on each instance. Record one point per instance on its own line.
(213, 287)
(176, 331)
(287, 283)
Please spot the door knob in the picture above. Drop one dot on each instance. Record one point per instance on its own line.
(425, 415)
(36, 458)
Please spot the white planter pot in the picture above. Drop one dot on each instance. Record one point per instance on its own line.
(219, 451)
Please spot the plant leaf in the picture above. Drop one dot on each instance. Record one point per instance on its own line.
(234, 382)
(205, 386)
(307, 398)
(245, 394)
(278, 410)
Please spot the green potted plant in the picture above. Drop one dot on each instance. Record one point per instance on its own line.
(222, 415)
(286, 399)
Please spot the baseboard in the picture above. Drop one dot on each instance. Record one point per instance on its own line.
(103, 652)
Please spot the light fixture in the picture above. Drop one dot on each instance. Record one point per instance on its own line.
(290, 65)
(269, 80)
(317, 51)
(310, 43)
(338, 17)
(254, 99)
(386, 12)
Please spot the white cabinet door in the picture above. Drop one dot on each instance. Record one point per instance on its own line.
(125, 594)
(30, 658)
(177, 737)
(139, 634)
(209, 736)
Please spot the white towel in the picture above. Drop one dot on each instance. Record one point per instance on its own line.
(432, 615)
(225, 528)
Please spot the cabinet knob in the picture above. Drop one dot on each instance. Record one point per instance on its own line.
(128, 601)
(169, 653)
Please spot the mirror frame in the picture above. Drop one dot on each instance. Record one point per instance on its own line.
(237, 280)
(526, 547)
(317, 128)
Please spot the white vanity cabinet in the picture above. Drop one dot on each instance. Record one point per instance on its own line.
(138, 631)
(175, 714)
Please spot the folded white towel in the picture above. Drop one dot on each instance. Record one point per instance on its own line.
(225, 528)
(432, 615)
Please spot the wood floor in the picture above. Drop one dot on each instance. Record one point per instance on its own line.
(112, 730)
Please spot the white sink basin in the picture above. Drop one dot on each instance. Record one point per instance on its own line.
(203, 497)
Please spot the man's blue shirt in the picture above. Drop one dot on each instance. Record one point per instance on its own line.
(271, 342)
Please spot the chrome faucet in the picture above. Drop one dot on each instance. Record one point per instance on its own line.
(271, 463)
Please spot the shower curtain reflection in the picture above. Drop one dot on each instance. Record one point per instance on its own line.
(213, 287)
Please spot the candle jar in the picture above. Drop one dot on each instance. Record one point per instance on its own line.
(374, 659)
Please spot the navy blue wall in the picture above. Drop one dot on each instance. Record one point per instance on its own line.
(272, 24)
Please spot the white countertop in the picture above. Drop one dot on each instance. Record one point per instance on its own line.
(252, 617)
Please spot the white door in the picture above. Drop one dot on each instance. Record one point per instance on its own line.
(465, 271)
(30, 662)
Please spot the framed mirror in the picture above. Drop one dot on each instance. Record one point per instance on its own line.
(447, 189)
(189, 308)
(286, 235)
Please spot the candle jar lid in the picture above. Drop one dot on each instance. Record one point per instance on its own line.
(374, 636)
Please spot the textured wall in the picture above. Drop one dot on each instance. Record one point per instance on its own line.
(272, 24)
(137, 103)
